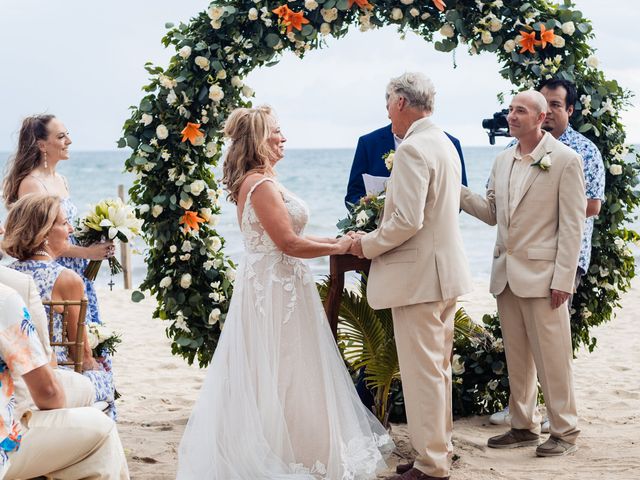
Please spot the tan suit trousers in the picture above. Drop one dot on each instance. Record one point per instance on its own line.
(424, 338)
(68, 444)
(537, 342)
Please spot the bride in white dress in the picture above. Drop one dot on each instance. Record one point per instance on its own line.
(277, 401)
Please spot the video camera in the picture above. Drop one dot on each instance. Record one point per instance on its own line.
(497, 126)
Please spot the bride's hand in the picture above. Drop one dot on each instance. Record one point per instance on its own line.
(343, 244)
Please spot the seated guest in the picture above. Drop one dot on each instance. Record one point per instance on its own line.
(78, 389)
(368, 158)
(37, 231)
(39, 443)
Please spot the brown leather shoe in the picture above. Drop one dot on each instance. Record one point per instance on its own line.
(514, 438)
(415, 474)
(404, 467)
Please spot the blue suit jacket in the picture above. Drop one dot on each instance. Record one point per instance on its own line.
(368, 159)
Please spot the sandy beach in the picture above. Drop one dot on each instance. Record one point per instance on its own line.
(158, 391)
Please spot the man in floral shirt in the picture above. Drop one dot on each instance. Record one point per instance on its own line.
(40, 443)
(561, 98)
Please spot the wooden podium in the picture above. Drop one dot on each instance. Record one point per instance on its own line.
(338, 266)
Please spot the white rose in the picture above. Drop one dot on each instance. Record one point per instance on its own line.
(93, 339)
(558, 41)
(186, 246)
(215, 13)
(236, 82)
(202, 62)
(216, 93)
(162, 132)
(568, 28)
(615, 169)
(361, 219)
(329, 15)
(495, 25)
(230, 273)
(222, 74)
(310, 4)
(213, 220)
(173, 249)
(388, 162)
(185, 52)
(509, 46)
(172, 97)
(210, 150)
(406, 2)
(447, 30)
(216, 24)
(545, 161)
(167, 82)
(205, 213)
(185, 280)
(487, 38)
(156, 210)
(593, 61)
(165, 282)
(214, 316)
(186, 204)
(146, 119)
(215, 244)
(247, 91)
(396, 14)
(457, 366)
(325, 29)
(414, 12)
(253, 14)
(144, 208)
(208, 265)
(197, 187)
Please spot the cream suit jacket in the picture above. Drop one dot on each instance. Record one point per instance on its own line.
(536, 248)
(417, 252)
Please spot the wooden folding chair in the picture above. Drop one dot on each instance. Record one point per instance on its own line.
(78, 344)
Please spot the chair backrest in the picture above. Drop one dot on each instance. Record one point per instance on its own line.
(77, 357)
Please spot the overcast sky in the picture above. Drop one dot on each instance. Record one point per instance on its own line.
(83, 61)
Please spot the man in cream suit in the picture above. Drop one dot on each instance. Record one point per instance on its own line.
(536, 196)
(419, 268)
(78, 389)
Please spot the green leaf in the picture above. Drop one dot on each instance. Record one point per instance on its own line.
(183, 341)
(585, 128)
(271, 40)
(145, 147)
(122, 143)
(137, 296)
(168, 25)
(146, 105)
(132, 141)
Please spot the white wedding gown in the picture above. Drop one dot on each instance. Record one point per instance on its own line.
(277, 401)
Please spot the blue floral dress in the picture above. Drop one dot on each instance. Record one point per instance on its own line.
(79, 264)
(45, 274)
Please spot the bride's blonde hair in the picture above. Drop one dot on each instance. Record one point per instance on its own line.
(248, 129)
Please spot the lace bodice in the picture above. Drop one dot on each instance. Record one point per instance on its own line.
(256, 239)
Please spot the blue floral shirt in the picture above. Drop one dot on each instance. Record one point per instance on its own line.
(594, 176)
(20, 352)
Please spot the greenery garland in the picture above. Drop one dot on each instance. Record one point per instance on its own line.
(175, 133)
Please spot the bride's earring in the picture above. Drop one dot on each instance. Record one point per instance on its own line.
(46, 164)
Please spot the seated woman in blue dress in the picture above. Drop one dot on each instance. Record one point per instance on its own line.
(37, 232)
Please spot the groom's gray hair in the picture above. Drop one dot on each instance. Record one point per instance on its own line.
(416, 88)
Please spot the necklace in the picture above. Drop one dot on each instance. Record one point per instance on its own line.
(44, 253)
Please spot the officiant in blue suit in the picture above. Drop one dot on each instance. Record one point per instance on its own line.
(368, 159)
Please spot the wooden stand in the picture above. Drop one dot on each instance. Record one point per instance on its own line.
(338, 266)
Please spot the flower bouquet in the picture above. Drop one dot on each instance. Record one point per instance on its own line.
(364, 216)
(108, 220)
(102, 340)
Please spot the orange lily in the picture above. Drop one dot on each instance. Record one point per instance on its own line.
(528, 41)
(363, 4)
(283, 12)
(191, 132)
(440, 5)
(191, 221)
(296, 20)
(546, 36)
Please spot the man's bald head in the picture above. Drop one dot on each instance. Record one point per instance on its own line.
(535, 99)
(526, 114)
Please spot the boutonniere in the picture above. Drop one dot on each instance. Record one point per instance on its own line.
(388, 159)
(544, 163)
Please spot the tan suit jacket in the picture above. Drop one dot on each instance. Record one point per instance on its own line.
(417, 252)
(537, 247)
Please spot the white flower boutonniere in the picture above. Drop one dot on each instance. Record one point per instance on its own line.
(388, 159)
(544, 163)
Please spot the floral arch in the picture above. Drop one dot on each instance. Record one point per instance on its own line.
(175, 133)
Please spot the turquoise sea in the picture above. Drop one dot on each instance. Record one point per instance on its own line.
(317, 176)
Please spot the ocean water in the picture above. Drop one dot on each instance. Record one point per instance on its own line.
(319, 177)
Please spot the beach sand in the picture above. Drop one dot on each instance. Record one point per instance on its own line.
(158, 391)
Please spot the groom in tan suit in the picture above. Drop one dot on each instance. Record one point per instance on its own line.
(419, 268)
(536, 196)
